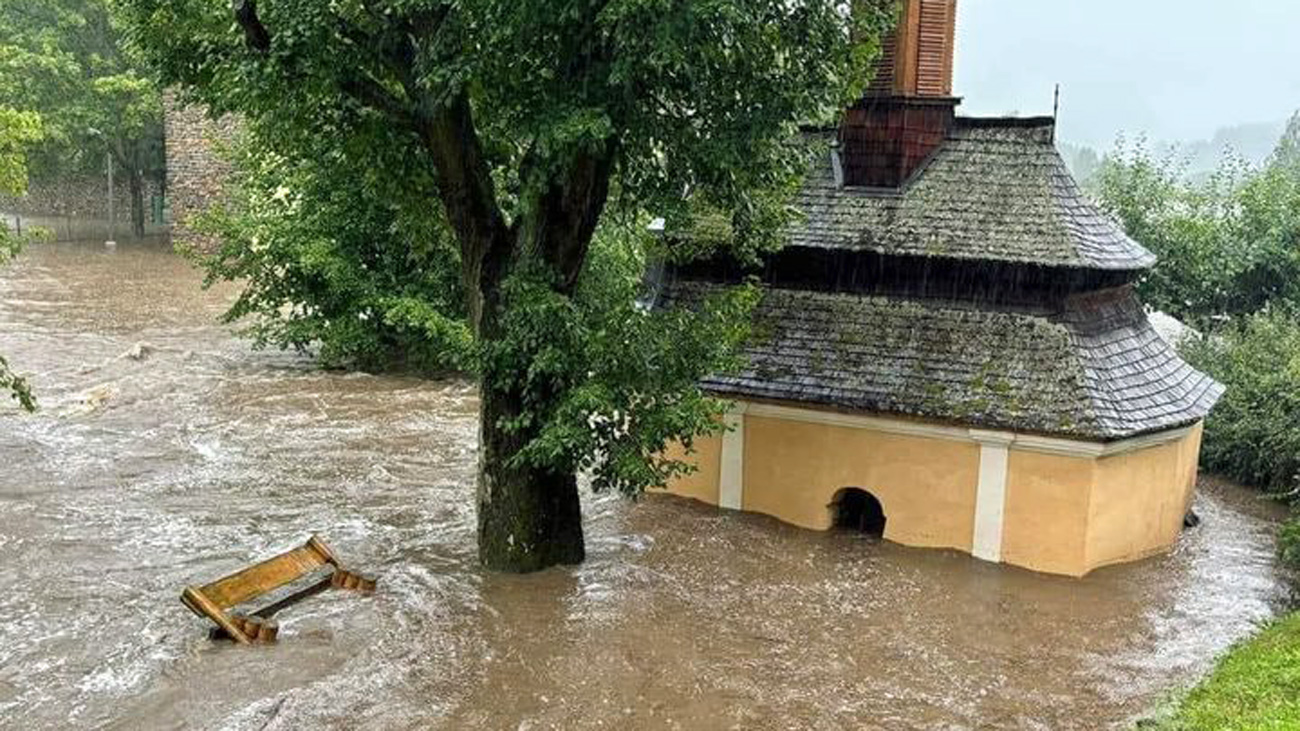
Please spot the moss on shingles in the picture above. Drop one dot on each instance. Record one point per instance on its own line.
(1256, 686)
(993, 368)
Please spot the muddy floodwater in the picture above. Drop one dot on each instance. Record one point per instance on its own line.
(167, 453)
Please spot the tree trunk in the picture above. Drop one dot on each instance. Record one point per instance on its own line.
(528, 519)
(137, 203)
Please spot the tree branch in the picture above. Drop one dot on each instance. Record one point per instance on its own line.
(255, 34)
(566, 212)
(469, 196)
(371, 93)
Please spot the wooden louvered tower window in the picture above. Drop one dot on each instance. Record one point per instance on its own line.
(883, 81)
(917, 57)
(935, 40)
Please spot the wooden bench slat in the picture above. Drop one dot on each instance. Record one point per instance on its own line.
(213, 600)
(266, 576)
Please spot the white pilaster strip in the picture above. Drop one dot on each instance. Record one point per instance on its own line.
(731, 482)
(991, 494)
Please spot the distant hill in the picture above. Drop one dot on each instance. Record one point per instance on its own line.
(1252, 142)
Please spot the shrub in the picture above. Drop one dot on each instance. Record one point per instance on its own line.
(1253, 435)
(1288, 543)
(333, 263)
(18, 131)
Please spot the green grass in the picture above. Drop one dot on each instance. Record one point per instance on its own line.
(1255, 687)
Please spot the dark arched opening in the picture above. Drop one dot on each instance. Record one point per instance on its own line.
(858, 510)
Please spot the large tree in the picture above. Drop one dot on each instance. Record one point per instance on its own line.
(537, 124)
(64, 59)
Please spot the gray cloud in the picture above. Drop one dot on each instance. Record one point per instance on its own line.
(1174, 69)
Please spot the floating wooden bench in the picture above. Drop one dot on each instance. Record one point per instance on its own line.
(214, 601)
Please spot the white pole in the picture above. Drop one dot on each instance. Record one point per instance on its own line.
(112, 217)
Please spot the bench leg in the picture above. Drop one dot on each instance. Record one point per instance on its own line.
(344, 579)
(256, 629)
(195, 599)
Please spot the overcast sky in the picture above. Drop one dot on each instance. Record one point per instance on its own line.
(1175, 69)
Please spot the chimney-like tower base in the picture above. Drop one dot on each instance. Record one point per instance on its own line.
(909, 108)
(885, 139)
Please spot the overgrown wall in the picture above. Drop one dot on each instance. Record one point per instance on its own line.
(197, 169)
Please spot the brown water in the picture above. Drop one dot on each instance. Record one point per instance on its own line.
(141, 476)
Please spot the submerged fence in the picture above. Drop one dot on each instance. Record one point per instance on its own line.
(75, 228)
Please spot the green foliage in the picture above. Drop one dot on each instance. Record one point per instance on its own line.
(1255, 687)
(1253, 435)
(1228, 246)
(339, 254)
(1229, 249)
(623, 377)
(64, 60)
(18, 131)
(17, 387)
(1288, 543)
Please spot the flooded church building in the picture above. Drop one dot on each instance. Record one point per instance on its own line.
(950, 350)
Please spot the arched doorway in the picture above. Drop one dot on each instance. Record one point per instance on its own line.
(858, 510)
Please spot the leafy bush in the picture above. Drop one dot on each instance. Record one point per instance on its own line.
(18, 131)
(1288, 543)
(332, 262)
(1253, 435)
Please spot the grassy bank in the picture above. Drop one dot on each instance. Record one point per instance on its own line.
(1256, 686)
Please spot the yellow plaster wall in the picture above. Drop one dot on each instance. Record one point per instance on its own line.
(702, 484)
(1063, 515)
(793, 471)
(1139, 500)
(1045, 519)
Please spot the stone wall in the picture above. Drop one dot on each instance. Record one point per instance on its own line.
(197, 166)
(80, 198)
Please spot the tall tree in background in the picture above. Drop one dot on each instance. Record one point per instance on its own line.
(1286, 155)
(538, 123)
(18, 132)
(64, 60)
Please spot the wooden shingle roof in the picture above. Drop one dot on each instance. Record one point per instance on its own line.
(996, 190)
(1096, 370)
